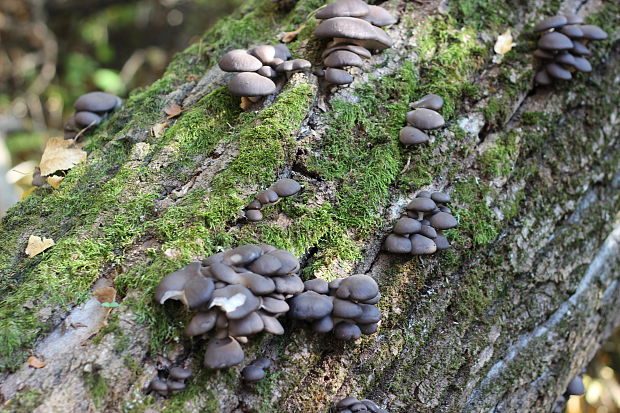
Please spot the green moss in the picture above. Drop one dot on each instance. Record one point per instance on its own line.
(475, 217)
(97, 386)
(24, 401)
(498, 158)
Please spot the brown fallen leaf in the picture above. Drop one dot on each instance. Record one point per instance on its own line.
(105, 294)
(504, 43)
(290, 36)
(55, 180)
(173, 110)
(36, 363)
(60, 155)
(158, 129)
(37, 245)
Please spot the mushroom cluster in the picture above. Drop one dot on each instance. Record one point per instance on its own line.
(424, 116)
(355, 30)
(575, 388)
(255, 371)
(90, 110)
(563, 46)
(255, 68)
(420, 231)
(239, 293)
(283, 188)
(172, 382)
(351, 405)
(345, 305)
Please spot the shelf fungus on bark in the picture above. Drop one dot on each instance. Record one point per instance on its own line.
(351, 405)
(355, 30)
(170, 381)
(91, 108)
(424, 116)
(255, 69)
(347, 308)
(282, 188)
(238, 293)
(562, 47)
(420, 231)
(255, 371)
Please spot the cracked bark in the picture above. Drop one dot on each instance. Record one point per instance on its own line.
(555, 268)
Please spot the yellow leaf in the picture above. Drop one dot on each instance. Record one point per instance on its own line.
(504, 43)
(105, 294)
(60, 155)
(55, 181)
(37, 245)
(158, 129)
(36, 363)
(290, 36)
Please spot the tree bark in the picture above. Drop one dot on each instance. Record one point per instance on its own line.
(499, 323)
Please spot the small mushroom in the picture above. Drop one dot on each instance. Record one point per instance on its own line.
(572, 18)
(251, 84)
(576, 387)
(580, 49)
(317, 285)
(289, 285)
(242, 255)
(440, 197)
(359, 50)
(254, 215)
(558, 71)
(179, 373)
(338, 76)
(159, 386)
(431, 101)
(421, 245)
(84, 119)
(542, 78)
(370, 314)
(268, 196)
(342, 58)
(565, 58)
(555, 41)
(246, 326)
(262, 362)
(324, 325)
(267, 71)
(572, 30)
(407, 226)
(582, 64)
(282, 52)
(176, 386)
(543, 54)
(201, 323)
(222, 353)
(286, 187)
(355, 31)
(310, 306)
(240, 61)
(358, 287)
(264, 52)
(343, 8)
(346, 309)
(397, 244)
(379, 16)
(345, 330)
(272, 325)
(551, 23)
(235, 301)
(425, 119)
(97, 102)
(441, 241)
(443, 220)
(266, 265)
(289, 263)
(274, 306)
(252, 373)
(412, 136)
(591, 32)
(294, 65)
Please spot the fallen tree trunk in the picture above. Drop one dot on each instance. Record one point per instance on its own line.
(501, 322)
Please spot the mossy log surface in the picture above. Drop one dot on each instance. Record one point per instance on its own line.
(501, 322)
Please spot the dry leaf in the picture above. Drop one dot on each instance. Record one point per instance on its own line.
(55, 181)
(105, 294)
(159, 129)
(36, 363)
(290, 36)
(60, 155)
(173, 110)
(504, 43)
(37, 245)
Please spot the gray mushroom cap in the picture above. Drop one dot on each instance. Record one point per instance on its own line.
(441, 242)
(251, 84)
(358, 287)
(176, 386)
(258, 284)
(264, 52)
(225, 273)
(272, 325)
(288, 284)
(239, 61)
(368, 328)
(289, 263)
(576, 387)
(274, 306)
(254, 215)
(345, 330)
(282, 51)
(542, 78)
(353, 29)
(179, 373)
(359, 50)
(158, 385)
(342, 58)
(343, 8)
(406, 226)
(428, 231)
(266, 265)
(572, 30)
(171, 286)
(346, 402)
(440, 197)
(551, 23)
(293, 65)
(338, 76)
(421, 245)
(555, 41)
(286, 187)
(397, 244)
(565, 59)
(379, 16)
(267, 196)
(425, 119)
(212, 259)
(201, 323)
(324, 325)
(372, 406)
(310, 306)
(242, 255)
(85, 118)
(246, 326)
(97, 102)
(252, 373)
(558, 71)
(318, 285)
(543, 54)
(580, 49)
(198, 291)
(430, 101)
(346, 309)
(424, 194)
(582, 64)
(572, 18)
(412, 136)
(235, 301)
(421, 205)
(262, 362)
(222, 353)
(443, 220)
(267, 71)
(591, 32)
(370, 314)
